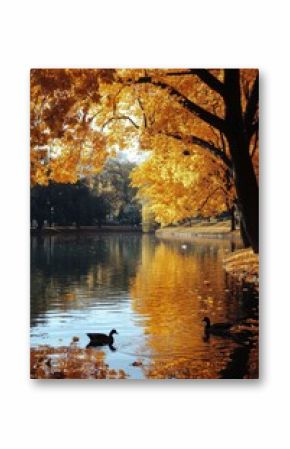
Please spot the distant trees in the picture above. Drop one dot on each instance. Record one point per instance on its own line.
(63, 204)
(114, 185)
(95, 200)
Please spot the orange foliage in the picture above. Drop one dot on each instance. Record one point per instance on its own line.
(64, 143)
(70, 363)
(179, 187)
(173, 303)
(79, 117)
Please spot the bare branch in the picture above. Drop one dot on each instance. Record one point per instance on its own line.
(212, 82)
(115, 98)
(90, 119)
(143, 111)
(120, 117)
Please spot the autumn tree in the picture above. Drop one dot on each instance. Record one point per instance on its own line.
(81, 116)
(178, 188)
(191, 105)
(65, 146)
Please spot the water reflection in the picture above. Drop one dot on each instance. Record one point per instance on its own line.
(67, 272)
(154, 293)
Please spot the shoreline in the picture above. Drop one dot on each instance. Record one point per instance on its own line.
(242, 264)
(202, 230)
(57, 230)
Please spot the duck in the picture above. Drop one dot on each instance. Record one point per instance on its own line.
(216, 328)
(102, 339)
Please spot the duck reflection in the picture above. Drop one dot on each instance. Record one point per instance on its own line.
(96, 345)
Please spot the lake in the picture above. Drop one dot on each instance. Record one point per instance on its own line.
(155, 293)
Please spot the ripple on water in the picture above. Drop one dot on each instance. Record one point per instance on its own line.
(153, 293)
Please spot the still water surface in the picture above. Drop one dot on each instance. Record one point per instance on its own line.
(154, 293)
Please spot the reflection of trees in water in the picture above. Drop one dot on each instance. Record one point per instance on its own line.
(172, 285)
(243, 362)
(68, 270)
(175, 287)
(172, 279)
(237, 367)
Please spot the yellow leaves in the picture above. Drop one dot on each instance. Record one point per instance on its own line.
(71, 363)
(61, 101)
(90, 114)
(178, 186)
(173, 309)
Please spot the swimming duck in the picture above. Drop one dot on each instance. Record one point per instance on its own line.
(102, 339)
(217, 328)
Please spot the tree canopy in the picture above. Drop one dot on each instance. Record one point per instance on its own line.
(199, 125)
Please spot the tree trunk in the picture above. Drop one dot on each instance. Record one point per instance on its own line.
(247, 192)
(233, 219)
(244, 175)
(244, 236)
(40, 223)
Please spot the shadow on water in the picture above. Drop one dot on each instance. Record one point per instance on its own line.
(97, 345)
(237, 368)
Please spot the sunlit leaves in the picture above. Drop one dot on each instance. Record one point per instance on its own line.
(179, 186)
(64, 145)
(80, 117)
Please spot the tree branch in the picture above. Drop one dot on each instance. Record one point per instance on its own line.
(253, 129)
(207, 198)
(207, 146)
(192, 107)
(212, 82)
(120, 117)
(143, 112)
(205, 76)
(188, 72)
(252, 106)
(255, 145)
